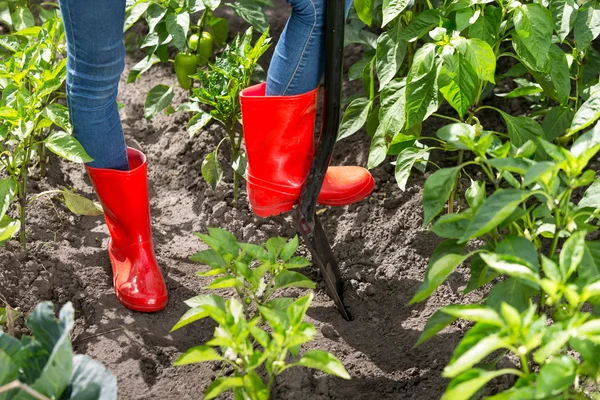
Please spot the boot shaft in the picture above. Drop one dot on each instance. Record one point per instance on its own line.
(124, 198)
(279, 136)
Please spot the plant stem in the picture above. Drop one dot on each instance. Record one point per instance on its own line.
(20, 385)
(23, 194)
(556, 231)
(451, 199)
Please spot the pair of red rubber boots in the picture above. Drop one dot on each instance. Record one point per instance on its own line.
(280, 145)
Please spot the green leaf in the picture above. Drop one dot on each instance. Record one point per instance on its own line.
(475, 313)
(564, 13)
(475, 194)
(391, 9)
(480, 56)
(134, 13)
(80, 205)
(436, 191)
(355, 117)
(221, 385)
(212, 171)
(22, 18)
(67, 147)
(559, 73)
(142, 66)
(178, 25)
(405, 162)
(587, 25)
(468, 383)
(496, 208)
(364, 10)
(390, 54)
(585, 147)
(197, 122)
(511, 266)
(256, 252)
(557, 121)
(391, 117)
(517, 165)
(591, 197)
(52, 337)
(487, 27)
(421, 25)
(252, 12)
(287, 278)
(522, 91)
(435, 324)
(475, 354)
(518, 246)
(454, 135)
(572, 253)
(91, 380)
(452, 226)
(8, 228)
(8, 187)
(556, 376)
(58, 114)
(436, 274)
(543, 172)
(323, 361)
(513, 292)
(458, 81)
(522, 129)
(198, 354)
(588, 113)
(533, 28)
(223, 282)
(158, 98)
(589, 270)
(275, 245)
(289, 249)
(421, 86)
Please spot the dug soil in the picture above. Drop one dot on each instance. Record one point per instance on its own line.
(380, 243)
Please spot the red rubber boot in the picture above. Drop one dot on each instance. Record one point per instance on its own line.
(139, 285)
(279, 136)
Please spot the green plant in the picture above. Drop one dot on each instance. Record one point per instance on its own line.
(43, 366)
(257, 355)
(521, 216)
(32, 72)
(220, 89)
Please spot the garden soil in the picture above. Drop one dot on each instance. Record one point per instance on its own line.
(380, 243)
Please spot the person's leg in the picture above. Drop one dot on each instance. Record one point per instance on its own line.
(95, 61)
(299, 59)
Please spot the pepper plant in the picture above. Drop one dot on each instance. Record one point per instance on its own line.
(522, 222)
(256, 332)
(32, 118)
(219, 90)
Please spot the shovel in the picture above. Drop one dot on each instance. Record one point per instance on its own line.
(308, 223)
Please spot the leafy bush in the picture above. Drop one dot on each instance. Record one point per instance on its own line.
(32, 72)
(43, 366)
(523, 215)
(256, 331)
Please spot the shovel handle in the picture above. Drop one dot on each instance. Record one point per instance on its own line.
(331, 115)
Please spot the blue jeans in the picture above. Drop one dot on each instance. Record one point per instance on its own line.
(95, 61)
(299, 59)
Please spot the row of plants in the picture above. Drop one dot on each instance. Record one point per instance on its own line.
(523, 224)
(33, 117)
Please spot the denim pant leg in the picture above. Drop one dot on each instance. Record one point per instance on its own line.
(95, 61)
(299, 59)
